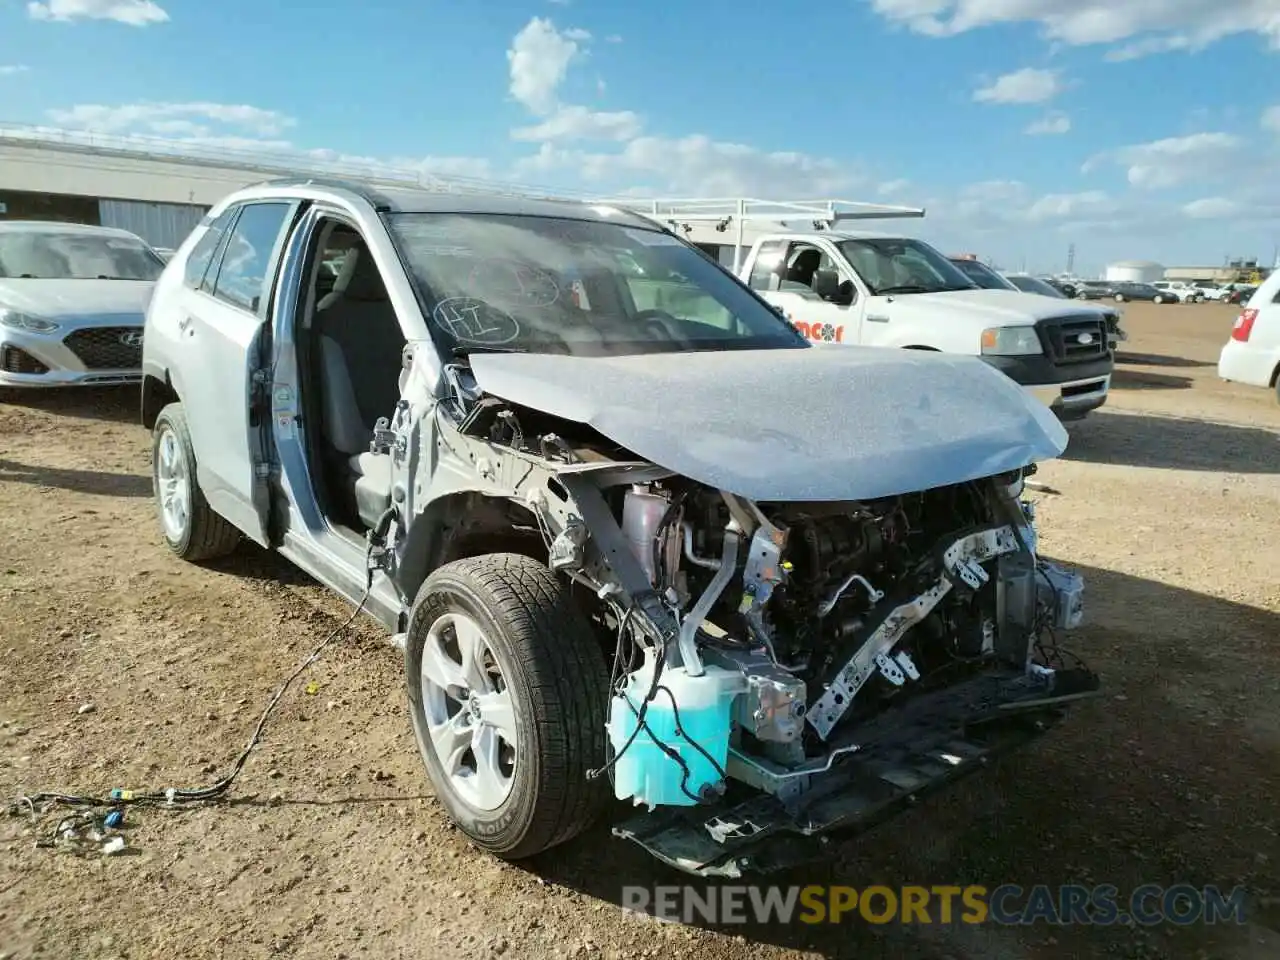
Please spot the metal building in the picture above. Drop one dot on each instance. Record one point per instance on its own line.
(155, 188)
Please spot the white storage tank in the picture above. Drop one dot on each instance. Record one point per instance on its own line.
(1135, 271)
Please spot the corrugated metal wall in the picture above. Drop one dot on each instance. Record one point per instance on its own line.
(163, 225)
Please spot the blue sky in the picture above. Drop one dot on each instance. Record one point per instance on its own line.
(1131, 128)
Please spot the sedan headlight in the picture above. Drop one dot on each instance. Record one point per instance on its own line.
(25, 322)
(1011, 342)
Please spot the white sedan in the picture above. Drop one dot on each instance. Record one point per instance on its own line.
(73, 300)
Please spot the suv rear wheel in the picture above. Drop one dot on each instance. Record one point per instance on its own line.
(192, 530)
(508, 695)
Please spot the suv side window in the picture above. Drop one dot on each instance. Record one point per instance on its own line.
(242, 274)
(202, 253)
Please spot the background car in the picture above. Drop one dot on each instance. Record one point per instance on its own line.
(1184, 292)
(72, 303)
(1252, 354)
(981, 274)
(1140, 291)
(1028, 284)
(1240, 295)
(1095, 290)
(1066, 287)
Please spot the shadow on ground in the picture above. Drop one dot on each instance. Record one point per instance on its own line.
(1141, 380)
(118, 404)
(1159, 360)
(1150, 440)
(77, 481)
(1167, 779)
(253, 562)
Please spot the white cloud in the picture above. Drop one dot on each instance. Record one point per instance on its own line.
(579, 123)
(1052, 124)
(697, 164)
(1166, 163)
(1213, 208)
(613, 38)
(893, 188)
(172, 118)
(12, 69)
(1027, 85)
(1151, 26)
(1065, 206)
(135, 13)
(1271, 119)
(539, 59)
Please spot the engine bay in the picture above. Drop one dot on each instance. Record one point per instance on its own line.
(758, 642)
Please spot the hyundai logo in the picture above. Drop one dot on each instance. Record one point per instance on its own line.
(132, 339)
(1082, 338)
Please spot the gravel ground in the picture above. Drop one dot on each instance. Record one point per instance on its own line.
(1168, 501)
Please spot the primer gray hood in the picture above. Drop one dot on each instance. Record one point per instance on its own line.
(807, 424)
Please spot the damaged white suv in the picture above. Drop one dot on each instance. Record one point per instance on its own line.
(634, 534)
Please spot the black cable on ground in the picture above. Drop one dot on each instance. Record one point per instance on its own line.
(120, 797)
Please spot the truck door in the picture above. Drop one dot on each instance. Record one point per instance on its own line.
(225, 329)
(811, 287)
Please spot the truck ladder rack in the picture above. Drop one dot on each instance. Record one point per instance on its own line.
(738, 211)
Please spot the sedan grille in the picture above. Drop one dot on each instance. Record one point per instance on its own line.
(13, 360)
(107, 348)
(1076, 339)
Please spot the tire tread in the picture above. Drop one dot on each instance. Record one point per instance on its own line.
(564, 666)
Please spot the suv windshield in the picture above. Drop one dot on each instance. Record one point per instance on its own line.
(551, 285)
(50, 255)
(983, 275)
(894, 265)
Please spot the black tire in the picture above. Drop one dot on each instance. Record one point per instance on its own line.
(205, 535)
(555, 671)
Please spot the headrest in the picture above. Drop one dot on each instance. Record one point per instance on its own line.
(363, 282)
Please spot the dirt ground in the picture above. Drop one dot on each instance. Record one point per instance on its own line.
(1168, 501)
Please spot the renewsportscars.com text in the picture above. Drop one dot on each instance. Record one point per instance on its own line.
(1006, 904)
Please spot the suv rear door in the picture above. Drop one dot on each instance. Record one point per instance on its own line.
(225, 330)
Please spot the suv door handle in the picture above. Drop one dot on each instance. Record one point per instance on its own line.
(877, 318)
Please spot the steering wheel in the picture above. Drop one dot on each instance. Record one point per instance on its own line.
(664, 322)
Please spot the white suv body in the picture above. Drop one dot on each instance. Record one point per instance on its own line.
(534, 438)
(1252, 354)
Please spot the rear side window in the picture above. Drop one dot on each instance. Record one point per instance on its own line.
(202, 252)
(242, 275)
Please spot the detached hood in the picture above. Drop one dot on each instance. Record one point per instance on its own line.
(86, 299)
(804, 424)
(992, 307)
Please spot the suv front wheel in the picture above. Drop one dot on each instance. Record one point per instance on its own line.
(508, 695)
(191, 528)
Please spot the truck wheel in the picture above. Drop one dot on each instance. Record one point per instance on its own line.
(1119, 298)
(191, 528)
(508, 695)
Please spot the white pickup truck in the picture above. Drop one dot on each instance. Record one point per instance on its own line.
(891, 291)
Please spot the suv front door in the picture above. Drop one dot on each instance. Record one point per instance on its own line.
(224, 328)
